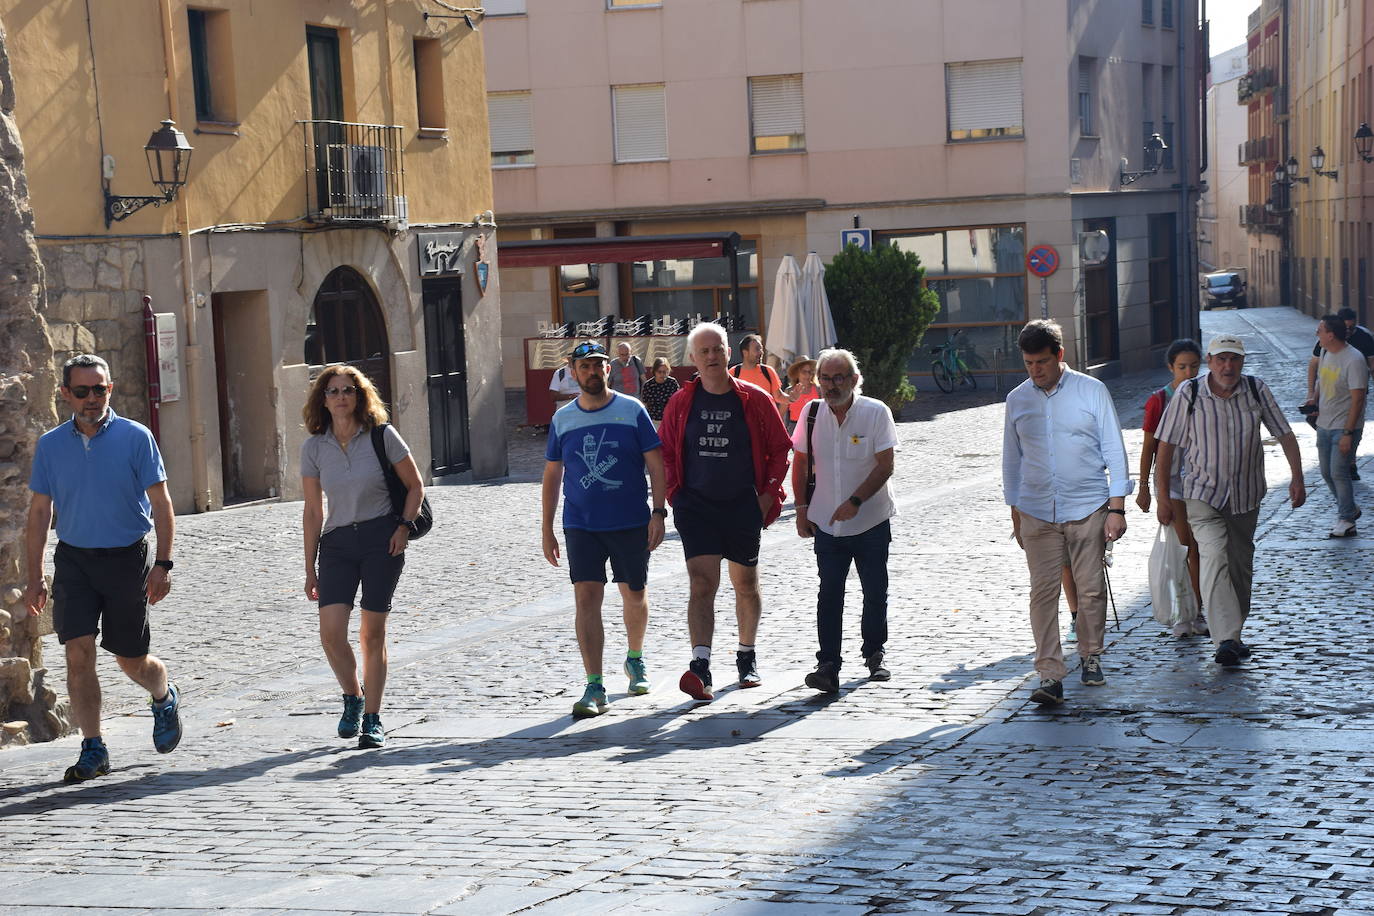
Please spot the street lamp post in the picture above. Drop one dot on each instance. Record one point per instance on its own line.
(1364, 140)
(1154, 155)
(169, 165)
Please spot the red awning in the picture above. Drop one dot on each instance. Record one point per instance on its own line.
(616, 250)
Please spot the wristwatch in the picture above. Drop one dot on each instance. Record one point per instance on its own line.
(165, 564)
(660, 510)
(1118, 511)
(855, 501)
(401, 520)
(1347, 432)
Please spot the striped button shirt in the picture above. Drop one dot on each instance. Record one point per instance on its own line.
(1221, 442)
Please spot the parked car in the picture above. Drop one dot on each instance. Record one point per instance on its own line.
(1224, 287)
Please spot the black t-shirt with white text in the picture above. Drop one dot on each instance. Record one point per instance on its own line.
(718, 458)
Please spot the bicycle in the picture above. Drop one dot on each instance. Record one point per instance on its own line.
(949, 369)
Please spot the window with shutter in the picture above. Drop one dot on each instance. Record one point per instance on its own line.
(641, 123)
(512, 128)
(1085, 97)
(504, 7)
(983, 99)
(777, 122)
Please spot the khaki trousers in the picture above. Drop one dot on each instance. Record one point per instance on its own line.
(1226, 546)
(1049, 548)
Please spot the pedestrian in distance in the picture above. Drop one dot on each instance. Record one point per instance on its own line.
(599, 448)
(845, 443)
(627, 371)
(725, 454)
(104, 476)
(754, 370)
(1342, 388)
(657, 389)
(363, 540)
(1362, 340)
(1215, 422)
(1064, 476)
(563, 386)
(801, 389)
(1184, 359)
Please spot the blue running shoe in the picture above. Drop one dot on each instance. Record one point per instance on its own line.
(352, 715)
(166, 720)
(94, 761)
(371, 735)
(638, 675)
(593, 702)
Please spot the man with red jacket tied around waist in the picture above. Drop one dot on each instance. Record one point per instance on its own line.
(725, 454)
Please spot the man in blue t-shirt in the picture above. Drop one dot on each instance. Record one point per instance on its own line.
(104, 476)
(599, 448)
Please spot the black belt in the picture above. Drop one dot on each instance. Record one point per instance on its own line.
(105, 551)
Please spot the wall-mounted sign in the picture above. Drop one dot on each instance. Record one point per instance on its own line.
(483, 266)
(168, 366)
(440, 254)
(861, 237)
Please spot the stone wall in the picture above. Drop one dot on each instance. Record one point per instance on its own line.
(29, 708)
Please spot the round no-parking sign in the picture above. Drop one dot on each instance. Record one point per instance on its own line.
(1042, 260)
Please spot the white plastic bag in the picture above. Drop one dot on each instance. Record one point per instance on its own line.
(1171, 590)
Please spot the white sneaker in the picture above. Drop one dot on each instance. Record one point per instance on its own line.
(1342, 529)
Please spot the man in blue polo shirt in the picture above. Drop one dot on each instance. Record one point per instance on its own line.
(104, 476)
(599, 448)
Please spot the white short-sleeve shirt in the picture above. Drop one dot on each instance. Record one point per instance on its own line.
(845, 455)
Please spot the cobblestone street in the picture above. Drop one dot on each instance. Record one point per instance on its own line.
(1178, 788)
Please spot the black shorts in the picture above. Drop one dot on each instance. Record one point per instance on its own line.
(627, 549)
(730, 529)
(97, 589)
(357, 553)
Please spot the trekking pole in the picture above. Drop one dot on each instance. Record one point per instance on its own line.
(1107, 565)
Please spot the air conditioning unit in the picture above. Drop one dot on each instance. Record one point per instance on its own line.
(357, 176)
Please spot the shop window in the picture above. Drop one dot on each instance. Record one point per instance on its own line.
(512, 128)
(641, 123)
(777, 122)
(698, 286)
(983, 99)
(212, 72)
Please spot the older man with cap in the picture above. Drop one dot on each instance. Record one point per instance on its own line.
(1215, 421)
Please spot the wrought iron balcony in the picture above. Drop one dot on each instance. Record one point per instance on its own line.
(354, 172)
(1258, 149)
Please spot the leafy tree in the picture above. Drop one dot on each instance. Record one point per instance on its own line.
(881, 313)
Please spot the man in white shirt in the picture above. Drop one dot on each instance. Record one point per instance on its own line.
(563, 385)
(1064, 476)
(844, 444)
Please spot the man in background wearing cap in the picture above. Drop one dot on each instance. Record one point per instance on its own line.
(1342, 385)
(1215, 420)
(1356, 336)
(599, 447)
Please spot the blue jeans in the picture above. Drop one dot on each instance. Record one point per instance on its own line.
(868, 553)
(1336, 469)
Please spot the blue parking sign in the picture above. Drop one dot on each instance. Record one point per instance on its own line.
(861, 237)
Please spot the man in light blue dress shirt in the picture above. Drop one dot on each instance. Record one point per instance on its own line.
(1064, 476)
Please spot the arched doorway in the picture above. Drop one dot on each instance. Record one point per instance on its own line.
(346, 326)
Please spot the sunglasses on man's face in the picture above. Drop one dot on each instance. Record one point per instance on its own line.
(345, 391)
(85, 391)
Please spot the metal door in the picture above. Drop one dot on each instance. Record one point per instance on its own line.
(447, 382)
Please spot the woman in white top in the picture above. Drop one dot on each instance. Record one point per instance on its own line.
(363, 540)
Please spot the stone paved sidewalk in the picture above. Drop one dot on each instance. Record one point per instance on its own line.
(1175, 789)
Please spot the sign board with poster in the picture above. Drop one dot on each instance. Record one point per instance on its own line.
(169, 367)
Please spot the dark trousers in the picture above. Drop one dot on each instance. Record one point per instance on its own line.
(868, 552)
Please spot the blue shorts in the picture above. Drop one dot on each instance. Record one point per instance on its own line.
(357, 554)
(627, 549)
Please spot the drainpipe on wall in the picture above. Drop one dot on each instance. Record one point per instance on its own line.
(1188, 322)
(200, 477)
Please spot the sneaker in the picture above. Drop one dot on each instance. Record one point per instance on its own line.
(876, 670)
(1229, 653)
(166, 720)
(1049, 693)
(748, 669)
(696, 681)
(1342, 529)
(593, 702)
(1244, 649)
(1092, 671)
(94, 761)
(352, 714)
(826, 678)
(371, 734)
(639, 677)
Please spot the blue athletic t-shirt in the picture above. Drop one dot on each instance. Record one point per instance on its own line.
(602, 450)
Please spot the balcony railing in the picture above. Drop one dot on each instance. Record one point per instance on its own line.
(1257, 218)
(354, 172)
(1255, 82)
(1259, 149)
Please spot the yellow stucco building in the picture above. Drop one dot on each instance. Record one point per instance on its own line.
(337, 209)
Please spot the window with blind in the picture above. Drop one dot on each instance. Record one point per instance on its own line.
(512, 129)
(983, 99)
(1085, 97)
(777, 122)
(641, 123)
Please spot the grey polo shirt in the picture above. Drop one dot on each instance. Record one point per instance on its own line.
(351, 478)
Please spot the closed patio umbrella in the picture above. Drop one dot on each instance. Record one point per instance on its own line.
(784, 322)
(818, 327)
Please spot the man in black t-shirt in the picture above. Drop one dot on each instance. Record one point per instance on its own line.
(1359, 337)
